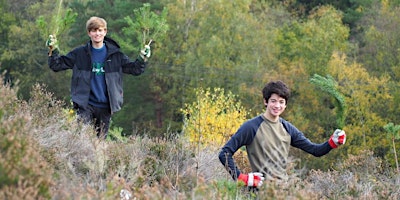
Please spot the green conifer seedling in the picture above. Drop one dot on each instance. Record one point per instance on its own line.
(393, 134)
(60, 21)
(329, 85)
(149, 25)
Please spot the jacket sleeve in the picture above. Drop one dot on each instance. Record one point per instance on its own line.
(303, 143)
(135, 67)
(58, 62)
(244, 136)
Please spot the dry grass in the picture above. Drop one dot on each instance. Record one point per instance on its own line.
(46, 154)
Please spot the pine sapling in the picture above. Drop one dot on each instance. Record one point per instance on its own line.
(393, 134)
(329, 85)
(60, 21)
(148, 25)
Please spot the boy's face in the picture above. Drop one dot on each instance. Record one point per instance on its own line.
(275, 105)
(97, 35)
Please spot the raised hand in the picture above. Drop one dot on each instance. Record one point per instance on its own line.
(338, 138)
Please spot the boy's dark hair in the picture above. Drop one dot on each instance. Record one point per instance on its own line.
(276, 87)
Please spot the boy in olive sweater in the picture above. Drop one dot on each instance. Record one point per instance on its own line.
(268, 138)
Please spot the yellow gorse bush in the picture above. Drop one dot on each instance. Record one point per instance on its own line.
(214, 117)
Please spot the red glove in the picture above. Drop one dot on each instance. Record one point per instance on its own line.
(337, 138)
(254, 179)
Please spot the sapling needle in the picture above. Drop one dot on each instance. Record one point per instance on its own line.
(329, 85)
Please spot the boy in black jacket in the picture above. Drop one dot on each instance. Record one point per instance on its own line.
(97, 70)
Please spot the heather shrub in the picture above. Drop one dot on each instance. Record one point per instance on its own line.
(24, 174)
(360, 176)
(46, 154)
(86, 167)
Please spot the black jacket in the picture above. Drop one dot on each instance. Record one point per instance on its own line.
(79, 60)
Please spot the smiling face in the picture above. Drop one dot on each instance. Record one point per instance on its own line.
(274, 107)
(275, 95)
(97, 29)
(97, 36)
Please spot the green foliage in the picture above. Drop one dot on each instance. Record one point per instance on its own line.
(313, 41)
(227, 189)
(204, 52)
(392, 130)
(28, 65)
(352, 9)
(329, 85)
(377, 51)
(393, 133)
(146, 25)
(366, 97)
(214, 117)
(149, 24)
(7, 19)
(115, 134)
(58, 24)
(232, 190)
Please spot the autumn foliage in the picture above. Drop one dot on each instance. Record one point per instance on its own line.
(214, 117)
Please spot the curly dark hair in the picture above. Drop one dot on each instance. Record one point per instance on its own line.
(276, 87)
